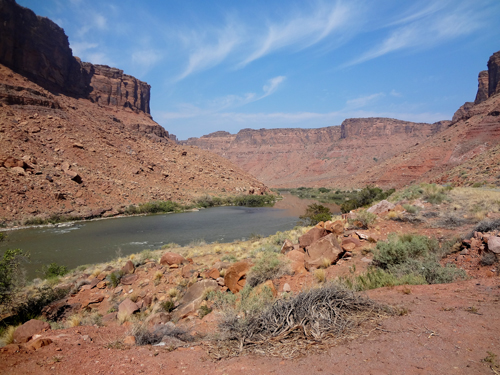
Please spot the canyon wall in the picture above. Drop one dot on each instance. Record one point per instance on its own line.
(317, 157)
(38, 49)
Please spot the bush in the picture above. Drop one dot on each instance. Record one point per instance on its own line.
(268, 267)
(330, 311)
(397, 250)
(168, 305)
(363, 219)
(411, 209)
(315, 213)
(145, 337)
(10, 273)
(115, 277)
(54, 270)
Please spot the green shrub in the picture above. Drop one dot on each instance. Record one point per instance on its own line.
(411, 209)
(115, 277)
(398, 249)
(315, 213)
(203, 311)
(3, 236)
(10, 273)
(167, 305)
(53, 270)
(270, 266)
(364, 218)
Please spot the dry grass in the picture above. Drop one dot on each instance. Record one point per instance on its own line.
(74, 321)
(122, 317)
(474, 200)
(173, 292)
(325, 263)
(320, 275)
(8, 336)
(292, 326)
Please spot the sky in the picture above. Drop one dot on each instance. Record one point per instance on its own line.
(234, 64)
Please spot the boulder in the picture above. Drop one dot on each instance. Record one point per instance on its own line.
(191, 301)
(187, 271)
(287, 288)
(336, 227)
(129, 340)
(127, 307)
(235, 276)
(312, 235)
(214, 273)
(94, 300)
(325, 248)
(158, 318)
(74, 176)
(39, 343)
(18, 171)
(494, 244)
(297, 261)
(11, 162)
(25, 332)
(108, 318)
(287, 246)
(350, 243)
(172, 258)
(128, 268)
(129, 279)
(381, 207)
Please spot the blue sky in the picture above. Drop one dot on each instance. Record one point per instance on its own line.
(232, 64)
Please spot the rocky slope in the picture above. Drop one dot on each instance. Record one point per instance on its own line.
(317, 157)
(78, 139)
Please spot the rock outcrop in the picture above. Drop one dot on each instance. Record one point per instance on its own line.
(38, 49)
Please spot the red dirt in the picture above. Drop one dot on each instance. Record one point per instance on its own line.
(449, 329)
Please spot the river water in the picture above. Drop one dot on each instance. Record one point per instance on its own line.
(102, 240)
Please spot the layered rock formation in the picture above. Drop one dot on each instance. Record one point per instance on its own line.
(77, 139)
(38, 49)
(317, 157)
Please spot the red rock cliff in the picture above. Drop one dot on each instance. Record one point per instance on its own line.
(38, 49)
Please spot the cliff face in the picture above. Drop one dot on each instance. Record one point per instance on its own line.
(111, 87)
(38, 49)
(316, 157)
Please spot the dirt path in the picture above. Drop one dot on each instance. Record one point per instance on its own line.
(449, 329)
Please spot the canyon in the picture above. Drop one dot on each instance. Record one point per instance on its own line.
(78, 139)
(379, 151)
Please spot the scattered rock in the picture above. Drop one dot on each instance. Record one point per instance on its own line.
(326, 248)
(172, 258)
(129, 340)
(494, 244)
(24, 333)
(60, 310)
(336, 227)
(287, 288)
(128, 267)
(287, 246)
(129, 279)
(39, 343)
(312, 235)
(381, 207)
(235, 276)
(191, 301)
(127, 307)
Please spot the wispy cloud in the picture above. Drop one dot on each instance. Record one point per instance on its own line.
(146, 58)
(300, 31)
(364, 100)
(429, 28)
(206, 55)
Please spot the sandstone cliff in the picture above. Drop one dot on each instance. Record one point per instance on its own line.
(317, 157)
(38, 49)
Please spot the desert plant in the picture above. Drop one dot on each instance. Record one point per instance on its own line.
(11, 276)
(143, 336)
(53, 270)
(363, 219)
(167, 305)
(74, 320)
(203, 311)
(320, 275)
(398, 249)
(173, 292)
(115, 277)
(488, 259)
(315, 213)
(7, 336)
(270, 266)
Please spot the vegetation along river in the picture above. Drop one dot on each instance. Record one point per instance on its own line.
(88, 242)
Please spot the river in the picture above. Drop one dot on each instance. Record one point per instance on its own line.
(88, 242)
